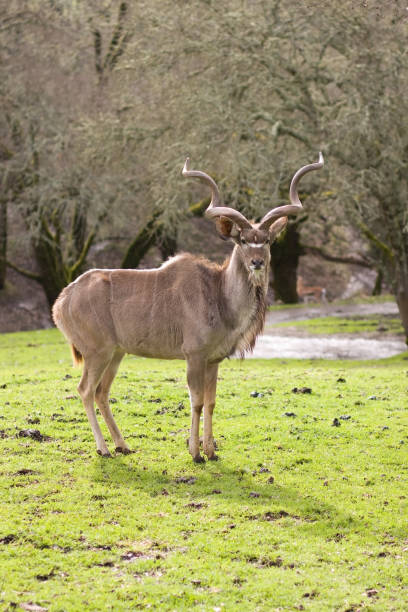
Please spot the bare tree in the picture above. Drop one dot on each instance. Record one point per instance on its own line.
(262, 85)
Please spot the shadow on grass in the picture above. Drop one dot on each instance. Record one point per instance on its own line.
(219, 483)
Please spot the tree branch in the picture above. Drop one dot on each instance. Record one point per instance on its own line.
(76, 266)
(26, 273)
(349, 259)
(376, 241)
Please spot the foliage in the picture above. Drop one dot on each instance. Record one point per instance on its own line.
(298, 513)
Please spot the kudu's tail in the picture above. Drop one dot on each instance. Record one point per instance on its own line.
(76, 356)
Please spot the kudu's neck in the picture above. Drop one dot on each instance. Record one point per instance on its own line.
(242, 287)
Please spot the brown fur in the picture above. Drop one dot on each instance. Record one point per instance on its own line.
(77, 358)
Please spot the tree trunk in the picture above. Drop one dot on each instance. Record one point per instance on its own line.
(3, 241)
(402, 301)
(145, 239)
(167, 245)
(377, 290)
(52, 273)
(284, 263)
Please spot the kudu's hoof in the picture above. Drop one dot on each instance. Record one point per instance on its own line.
(213, 458)
(198, 459)
(106, 455)
(124, 451)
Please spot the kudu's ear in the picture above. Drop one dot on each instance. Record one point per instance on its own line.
(226, 228)
(277, 227)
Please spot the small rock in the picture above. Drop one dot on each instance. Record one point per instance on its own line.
(371, 592)
(301, 390)
(341, 379)
(336, 422)
(385, 427)
(254, 494)
(289, 414)
(3, 386)
(373, 397)
(271, 480)
(345, 417)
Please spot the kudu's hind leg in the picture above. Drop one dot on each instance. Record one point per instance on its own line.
(195, 381)
(102, 400)
(94, 368)
(210, 389)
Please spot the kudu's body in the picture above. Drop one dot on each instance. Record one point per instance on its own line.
(189, 308)
(309, 293)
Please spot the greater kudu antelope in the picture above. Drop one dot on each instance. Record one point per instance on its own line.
(309, 293)
(189, 308)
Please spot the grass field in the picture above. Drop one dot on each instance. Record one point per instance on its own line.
(306, 509)
(350, 325)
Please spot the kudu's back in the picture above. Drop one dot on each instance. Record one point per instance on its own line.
(151, 313)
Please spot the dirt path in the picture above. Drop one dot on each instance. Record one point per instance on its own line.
(297, 343)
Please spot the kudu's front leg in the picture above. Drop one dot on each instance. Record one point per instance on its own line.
(210, 389)
(195, 380)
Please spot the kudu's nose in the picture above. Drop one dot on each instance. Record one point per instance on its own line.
(257, 263)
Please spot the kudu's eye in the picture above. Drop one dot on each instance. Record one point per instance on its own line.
(243, 241)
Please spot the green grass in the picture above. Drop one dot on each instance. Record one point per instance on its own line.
(349, 325)
(78, 532)
(362, 299)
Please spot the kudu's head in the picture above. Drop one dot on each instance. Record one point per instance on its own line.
(252, 239)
